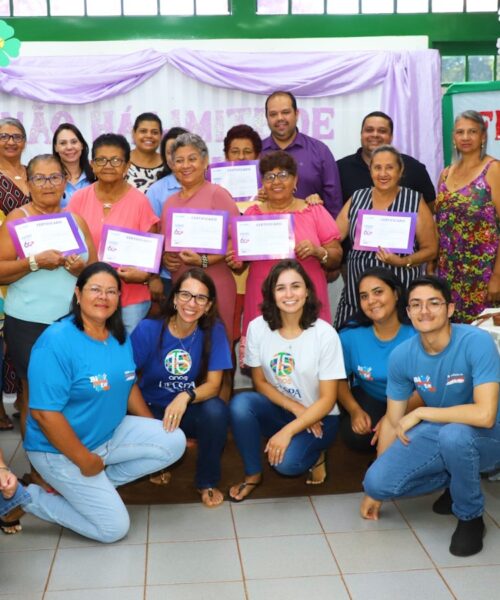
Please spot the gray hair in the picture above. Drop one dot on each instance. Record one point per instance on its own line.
(190, 139)
(44, 158)
(15, 123)
(392, 150)
(472, 115)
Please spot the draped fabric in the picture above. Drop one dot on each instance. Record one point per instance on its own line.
(410, 80)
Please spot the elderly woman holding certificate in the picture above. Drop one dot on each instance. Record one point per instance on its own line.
(113, 202)
(386, 195)
(316, 244)
(198, 196)
(41, 281)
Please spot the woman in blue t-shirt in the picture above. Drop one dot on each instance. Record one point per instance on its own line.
(181, 359)
(367, 339)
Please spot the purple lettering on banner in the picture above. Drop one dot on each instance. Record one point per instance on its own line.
(220, 128)
(203, 127)
(102, 124)
(39, 126)
(7, 115)
(61, 116)
(125, 127)
(304, 121)
(322, 123)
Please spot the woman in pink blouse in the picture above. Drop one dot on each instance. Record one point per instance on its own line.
(317, 236)
(111, 200)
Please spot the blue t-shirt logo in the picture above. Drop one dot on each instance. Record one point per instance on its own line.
(423, 383)
(365, 373)
(178, 362)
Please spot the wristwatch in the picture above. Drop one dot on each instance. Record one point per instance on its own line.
(32, 263)
(192, 395)
(204, 261)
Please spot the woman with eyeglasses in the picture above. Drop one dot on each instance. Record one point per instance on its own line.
(13, 194)
(180, 360)
(190, 160)
(70, 146)
(113, 201)
(89, 429)
(317, 246)
(41, 285)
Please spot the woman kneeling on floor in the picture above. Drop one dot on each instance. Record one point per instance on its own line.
(181, 358)
(79, 436)
(296, 362)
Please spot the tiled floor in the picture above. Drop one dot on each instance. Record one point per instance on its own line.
(297, 548)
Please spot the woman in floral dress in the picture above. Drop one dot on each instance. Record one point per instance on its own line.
(468, 220)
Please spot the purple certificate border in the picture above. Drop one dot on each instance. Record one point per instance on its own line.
(237, 164)
(383, 213)
(11, 226)
(291, 236)
(159, 247)
(221, 249)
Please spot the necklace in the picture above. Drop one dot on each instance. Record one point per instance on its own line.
(14, 173)
(107, 205)
(282, 210)
(179, 339)
(38, 210)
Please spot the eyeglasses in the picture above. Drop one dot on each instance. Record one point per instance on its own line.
(40, 180)
(15, 137)
(185, 296)
(102, 161)
(432, 305)
(95, 290)
(271, 177)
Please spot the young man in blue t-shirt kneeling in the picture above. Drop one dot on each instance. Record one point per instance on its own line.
(456, 435)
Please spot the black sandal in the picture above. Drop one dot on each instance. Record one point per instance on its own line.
(12, 521)
(241, 487)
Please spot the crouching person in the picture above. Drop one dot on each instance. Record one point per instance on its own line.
(456, 435)
(79, 436)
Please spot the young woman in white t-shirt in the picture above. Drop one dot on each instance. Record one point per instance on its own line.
(296, 362)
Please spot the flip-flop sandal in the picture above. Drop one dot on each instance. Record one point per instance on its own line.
(210, 493)
(161, 478)
(12, 521)
(241, 487)
(6, 424)
(310, 480)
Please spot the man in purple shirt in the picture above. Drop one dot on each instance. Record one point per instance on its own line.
(318, 173)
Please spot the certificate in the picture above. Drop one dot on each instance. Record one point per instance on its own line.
(241, 179)
(263, 237)
(393, 231)
(58, 231)
(122, 247)
(197, 230)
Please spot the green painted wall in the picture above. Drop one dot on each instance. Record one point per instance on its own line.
(453, 30)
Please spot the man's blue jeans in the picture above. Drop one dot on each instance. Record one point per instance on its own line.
(253, 415)
(438, 455)
(91, 506)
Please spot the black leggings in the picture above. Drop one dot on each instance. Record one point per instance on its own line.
(374, 408)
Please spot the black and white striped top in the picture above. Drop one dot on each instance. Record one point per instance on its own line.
(359, 260)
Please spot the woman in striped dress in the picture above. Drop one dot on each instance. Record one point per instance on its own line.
(386, 168)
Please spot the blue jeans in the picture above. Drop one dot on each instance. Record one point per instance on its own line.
(20, 498)
(438, 455)
(253, 415)
(133, 314)
(91, 506)
(207, 422)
